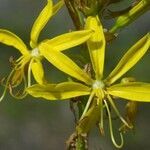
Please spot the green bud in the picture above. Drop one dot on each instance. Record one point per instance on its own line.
(139, 9)
(128, 79)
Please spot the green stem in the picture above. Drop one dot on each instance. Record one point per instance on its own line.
(81, 143)
(74, 14)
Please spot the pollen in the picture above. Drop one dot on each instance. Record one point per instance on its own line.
(98, 84)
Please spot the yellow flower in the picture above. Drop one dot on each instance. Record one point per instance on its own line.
(101, 90)
(31, 59)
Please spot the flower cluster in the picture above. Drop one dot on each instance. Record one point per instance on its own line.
(101, 91)
(31, 59)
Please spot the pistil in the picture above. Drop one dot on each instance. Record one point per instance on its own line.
(35, 52)
(98, 84)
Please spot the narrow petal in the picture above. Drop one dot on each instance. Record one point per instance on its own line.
(69, 40)
(64, 63)
(8, 38)
(96, 45)
(57, 6)
(135, 91)
(133, 55)
(38, 72)
(60, 91)
(40, 22)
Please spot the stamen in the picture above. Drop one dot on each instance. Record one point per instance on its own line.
(88, 104)
(6, 86)
(111, 129)
(20, 58)
(101, 123)
(29, 73)
(118, 113)
(23, 94)
(21, 62)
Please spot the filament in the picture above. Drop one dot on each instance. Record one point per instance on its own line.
(24, 93)
(29, 73)
(111, 129)
(88, 104)
(101, 124)
(102, 118)
(6, 86)
(118, 113)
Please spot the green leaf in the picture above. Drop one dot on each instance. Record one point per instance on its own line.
(68, 40)
(9, 38)
(40, 23)
(134, 91)
(133, 55)
(60, 91)
(64, 63)
(96, 45)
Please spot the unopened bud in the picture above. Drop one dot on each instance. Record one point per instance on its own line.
(127, 18)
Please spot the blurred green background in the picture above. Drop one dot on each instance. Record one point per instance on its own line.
(37, 124)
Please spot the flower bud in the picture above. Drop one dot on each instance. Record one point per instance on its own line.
(127, 18)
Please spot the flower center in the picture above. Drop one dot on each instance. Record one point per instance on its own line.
(35, 52)
(98, 84)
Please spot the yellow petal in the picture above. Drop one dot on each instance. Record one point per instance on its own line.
(135, 91)
(69, 40)
(11, 39)
(57, 6)
(133, 55)
(40, 22)
(96, 45)
(38, 72)
(60, 91)
(64, 63)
